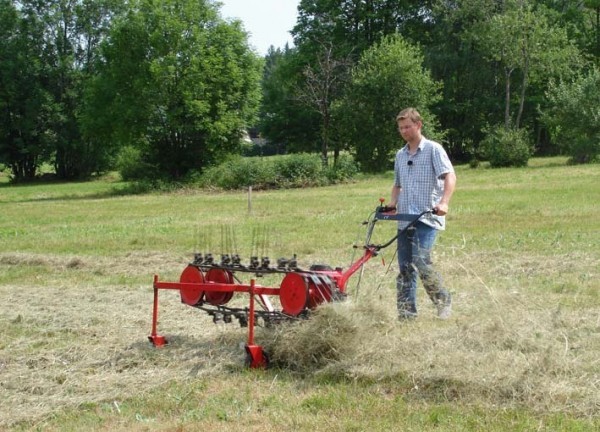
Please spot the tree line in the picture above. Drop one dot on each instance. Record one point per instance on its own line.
(165, 89)
(495, 79)
(156, 88)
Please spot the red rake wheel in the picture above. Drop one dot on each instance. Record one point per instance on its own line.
(293, 294)
(319, 290)
(191, 295)
(217, 298)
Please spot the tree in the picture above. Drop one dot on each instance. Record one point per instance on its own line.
(523, 43)
(329, 37)
(574, 116)
(178, 83)
(26, 108)
(581, 20)
(75, 29)
(351, 26)
(594, 6)
(53, 52)
(470, 92)
(388, 77)
(284, 121)
(323, 84)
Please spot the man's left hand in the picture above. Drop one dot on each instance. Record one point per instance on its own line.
(441, 209)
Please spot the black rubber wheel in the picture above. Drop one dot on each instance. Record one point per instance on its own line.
(320, 267)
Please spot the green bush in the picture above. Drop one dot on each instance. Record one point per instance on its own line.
(506, 147)
(290, 171)
(573, 117)
(344, 169)
(131, 166)
(299, 170)
(239, 172)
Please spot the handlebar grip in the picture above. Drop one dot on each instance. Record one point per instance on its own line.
(385, 209)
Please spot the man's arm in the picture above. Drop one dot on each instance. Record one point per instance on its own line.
(394, 199)
(449, 186)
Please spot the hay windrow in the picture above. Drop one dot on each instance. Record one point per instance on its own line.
(540, 356)
(328, 337)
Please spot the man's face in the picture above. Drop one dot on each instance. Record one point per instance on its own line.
(408, 129)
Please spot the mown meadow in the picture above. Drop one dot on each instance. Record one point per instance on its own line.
(521, 256)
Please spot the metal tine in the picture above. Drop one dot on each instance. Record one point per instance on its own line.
(235, 255)
(234, 249)
(265, 244)
(222, 246)
(253, 241)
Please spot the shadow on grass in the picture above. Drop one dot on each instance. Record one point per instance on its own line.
(135, 188)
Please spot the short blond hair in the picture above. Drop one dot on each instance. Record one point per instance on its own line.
(409, 113)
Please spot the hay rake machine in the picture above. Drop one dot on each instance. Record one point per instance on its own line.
(209, 284)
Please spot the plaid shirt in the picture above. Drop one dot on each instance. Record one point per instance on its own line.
(419, 176)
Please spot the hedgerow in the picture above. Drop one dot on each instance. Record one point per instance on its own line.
(289, 171)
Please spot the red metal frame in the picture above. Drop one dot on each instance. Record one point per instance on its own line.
(255, 352)
(341, 278)
(256, 355)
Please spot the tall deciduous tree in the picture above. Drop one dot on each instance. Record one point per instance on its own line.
(528, 49)
(388, 77)
(178, 82)
(58, 38)
(594, 7)
(470, 92)
(287, 123)
(581, 19)
(26, 107)
(351, 26)
(75, 29)
(323, 84)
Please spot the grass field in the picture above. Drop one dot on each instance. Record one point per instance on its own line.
(521, 256)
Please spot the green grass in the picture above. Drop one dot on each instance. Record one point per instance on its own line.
(255, 403)
(521, 256)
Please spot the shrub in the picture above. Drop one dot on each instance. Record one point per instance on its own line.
(344, 169)
(239, 172)
(574, 116)
(131, 165)
(507, 147)
(297, 170)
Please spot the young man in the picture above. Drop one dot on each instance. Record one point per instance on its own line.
(424, 179)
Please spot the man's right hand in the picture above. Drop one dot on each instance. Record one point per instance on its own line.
(388, 208)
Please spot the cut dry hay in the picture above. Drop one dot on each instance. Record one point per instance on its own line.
(73, 343)
(539, 355)
(331, 335)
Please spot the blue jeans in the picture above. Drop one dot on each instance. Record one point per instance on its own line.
(414, 258)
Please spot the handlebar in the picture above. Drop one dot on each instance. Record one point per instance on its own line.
(389, 213)
(411, 218)
(384, 212)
